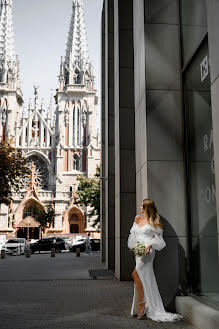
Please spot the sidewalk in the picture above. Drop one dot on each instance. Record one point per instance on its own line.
(49, 293)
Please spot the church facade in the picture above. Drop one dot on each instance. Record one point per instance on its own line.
(58, 144)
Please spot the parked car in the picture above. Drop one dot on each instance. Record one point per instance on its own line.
(47, 244)
(68, 242)
(15, 246)
(95, 245)
(2, 242)
(80, 243)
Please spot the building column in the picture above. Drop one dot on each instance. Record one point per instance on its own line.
(47, 137)
(29, 131)
(125, 168)
(102, 173)
(213, 44)
(109, 135)
(41, 133)
(23, 135)
(162, 165)
(140, 103)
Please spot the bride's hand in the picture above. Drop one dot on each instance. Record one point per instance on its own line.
(148, 249)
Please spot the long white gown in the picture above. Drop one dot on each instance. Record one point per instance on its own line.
(148, 235)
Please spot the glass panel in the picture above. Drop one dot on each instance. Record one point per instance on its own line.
(197, 97)
(193, 25)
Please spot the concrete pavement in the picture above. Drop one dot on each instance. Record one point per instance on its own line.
(49, 293)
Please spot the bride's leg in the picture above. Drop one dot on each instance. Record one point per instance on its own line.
(139, 288)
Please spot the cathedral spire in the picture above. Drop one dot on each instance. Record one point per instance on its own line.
(76, 69)
(7, 48)
(9, 64)
(77, 50)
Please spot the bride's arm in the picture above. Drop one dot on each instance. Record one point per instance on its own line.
(157, 241)
(132, 239)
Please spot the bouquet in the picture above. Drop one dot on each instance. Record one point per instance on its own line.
(139, 249)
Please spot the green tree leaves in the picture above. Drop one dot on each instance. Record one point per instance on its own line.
(44, 216)
(12, 170)
(88, 193)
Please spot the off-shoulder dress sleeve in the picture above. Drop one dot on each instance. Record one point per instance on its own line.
(157, 241)
(132, 239)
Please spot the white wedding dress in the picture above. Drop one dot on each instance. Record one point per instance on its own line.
(144, 267)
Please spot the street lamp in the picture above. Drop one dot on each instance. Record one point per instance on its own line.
(28, 230)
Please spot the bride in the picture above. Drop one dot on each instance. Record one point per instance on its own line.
(147, 229)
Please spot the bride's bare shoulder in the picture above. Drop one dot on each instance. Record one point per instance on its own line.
(137, 217)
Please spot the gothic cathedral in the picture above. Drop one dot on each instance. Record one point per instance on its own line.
(58, 145)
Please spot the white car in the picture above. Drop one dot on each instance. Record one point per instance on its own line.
(2, 242)
(68, 242)
(78, 242)
(15, 246)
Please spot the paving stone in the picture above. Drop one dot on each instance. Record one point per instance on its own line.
(60, 294)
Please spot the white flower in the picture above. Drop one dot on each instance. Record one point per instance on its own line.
(139, 249)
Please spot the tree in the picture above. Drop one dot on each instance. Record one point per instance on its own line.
(88, 193)
(44, 216)
(12, 169)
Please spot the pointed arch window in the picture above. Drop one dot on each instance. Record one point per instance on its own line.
(30, 208)
(78, 126)
(44, 136)
(76, 162)
(74, 125)
(77, 79)
(67, 78)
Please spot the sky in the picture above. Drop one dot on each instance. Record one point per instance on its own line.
(41, 30)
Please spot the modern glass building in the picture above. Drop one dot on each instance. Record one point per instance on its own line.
(199, 150)
(160, 140)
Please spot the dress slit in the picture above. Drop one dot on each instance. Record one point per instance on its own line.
(144, 268)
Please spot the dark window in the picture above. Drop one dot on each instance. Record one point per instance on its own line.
(76, 162)
(13, 241)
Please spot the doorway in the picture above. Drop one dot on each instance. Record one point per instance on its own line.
(74, 228)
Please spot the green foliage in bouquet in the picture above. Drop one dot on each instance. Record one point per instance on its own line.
(139, 249)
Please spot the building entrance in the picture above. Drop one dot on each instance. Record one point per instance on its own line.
(34, 233)
(29, 229)
(74, 228)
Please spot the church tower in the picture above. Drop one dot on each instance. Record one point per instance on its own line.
(76, 99)
(58, 145)
(10, 94)
(78, 151)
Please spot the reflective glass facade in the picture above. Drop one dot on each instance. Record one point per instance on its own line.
(202, 216)
(193, 26)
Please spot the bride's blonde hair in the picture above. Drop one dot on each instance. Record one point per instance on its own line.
(150, 210)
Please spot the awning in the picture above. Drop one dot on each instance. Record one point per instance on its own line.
(28, 222)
